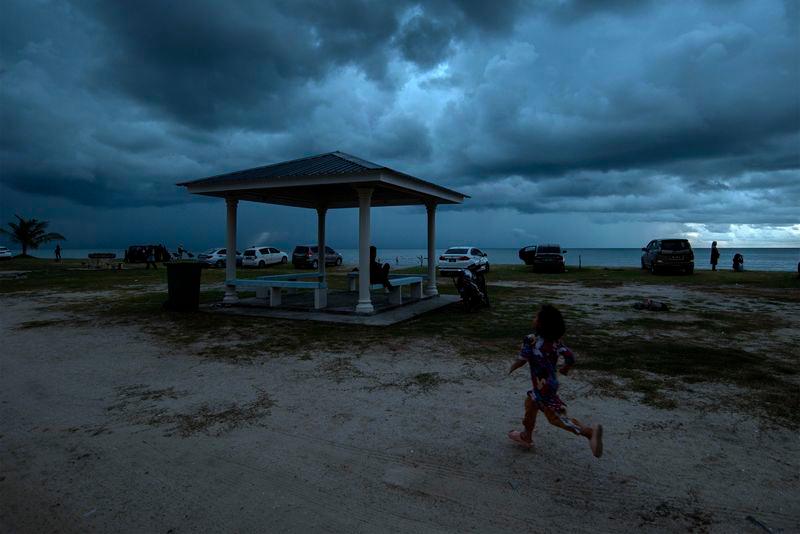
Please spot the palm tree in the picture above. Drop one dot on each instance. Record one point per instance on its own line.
(30, 233)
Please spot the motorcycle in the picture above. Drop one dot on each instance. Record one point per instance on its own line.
(471, 286)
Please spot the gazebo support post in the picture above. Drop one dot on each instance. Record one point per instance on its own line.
(230, 253)
(364, 201)
(321, 294)
(430, 288)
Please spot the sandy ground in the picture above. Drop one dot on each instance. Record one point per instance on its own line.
(109, 430)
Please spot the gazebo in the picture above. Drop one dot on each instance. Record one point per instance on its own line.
(327, 181)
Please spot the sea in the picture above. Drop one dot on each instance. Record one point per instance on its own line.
(755, 259)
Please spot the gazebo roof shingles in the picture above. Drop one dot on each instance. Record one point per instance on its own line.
(297, 182)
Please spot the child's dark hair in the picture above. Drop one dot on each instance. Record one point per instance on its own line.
(550, 323)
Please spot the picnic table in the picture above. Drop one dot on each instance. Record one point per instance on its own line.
(96, 258)
(272, 286)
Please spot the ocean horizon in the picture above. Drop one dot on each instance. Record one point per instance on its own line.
(756, 258)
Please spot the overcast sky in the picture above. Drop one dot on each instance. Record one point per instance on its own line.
(580, 122)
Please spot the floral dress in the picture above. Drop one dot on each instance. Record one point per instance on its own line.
(542, 358)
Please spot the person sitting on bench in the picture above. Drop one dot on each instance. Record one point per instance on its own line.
(378, 274)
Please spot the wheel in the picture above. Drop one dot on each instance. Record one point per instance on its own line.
(219, 264)
(261, 264)
(338, 261)
(284, 260)
(315, 264)
(653, 268)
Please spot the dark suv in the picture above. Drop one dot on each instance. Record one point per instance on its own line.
(668, 254)
(306, 256)
(527, 254)
(549, 258)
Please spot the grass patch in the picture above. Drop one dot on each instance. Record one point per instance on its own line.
(73, 275)
(421, 383)
(142, 405)
(47, 323)
(637, 361)
(426, 381)
(340, 369)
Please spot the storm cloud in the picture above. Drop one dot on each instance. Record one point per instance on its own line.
(680, 116)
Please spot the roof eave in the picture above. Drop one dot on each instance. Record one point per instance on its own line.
(425, 190)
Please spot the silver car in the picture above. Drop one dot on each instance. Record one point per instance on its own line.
(263, 256)
(216, 257)
(455, 259)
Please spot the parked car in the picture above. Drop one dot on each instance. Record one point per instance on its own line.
(527, 254)
(549, 258)
(216, 257)
(5, 254)
(455, 259)
(306, 256)
(138, 253)
(263, 256)
(668, 254)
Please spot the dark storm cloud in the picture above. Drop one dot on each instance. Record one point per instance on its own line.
(222, 64)
(424, 41)
(661, 111)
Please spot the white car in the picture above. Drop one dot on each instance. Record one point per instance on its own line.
(5, 254)
(263, 256)
(456, 258)
(216, 257)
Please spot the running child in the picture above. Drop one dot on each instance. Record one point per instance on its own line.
(541, 352)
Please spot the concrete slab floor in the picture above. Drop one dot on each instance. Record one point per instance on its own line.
(384, 315)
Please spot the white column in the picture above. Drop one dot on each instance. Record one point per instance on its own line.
(430, 288)
(321, 211)
(321, 295)
(364, 299)
(230, 253)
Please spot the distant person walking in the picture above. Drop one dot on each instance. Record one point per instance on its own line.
(151, 258)
(58, 252)
(714, 256)
(738, 262)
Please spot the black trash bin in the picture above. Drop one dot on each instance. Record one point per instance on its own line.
(183, 281)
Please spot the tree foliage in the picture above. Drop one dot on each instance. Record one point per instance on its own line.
(30, 233)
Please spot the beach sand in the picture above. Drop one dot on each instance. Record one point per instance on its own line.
(105, 427)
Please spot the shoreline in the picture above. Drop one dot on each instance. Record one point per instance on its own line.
(6, 264)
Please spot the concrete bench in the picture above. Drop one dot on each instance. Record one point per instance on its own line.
(396, 292)
(352, 280)
(273, 287)
(289, 276)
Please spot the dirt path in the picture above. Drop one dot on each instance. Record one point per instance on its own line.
(109, 430)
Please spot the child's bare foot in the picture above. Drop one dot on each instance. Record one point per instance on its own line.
(519, 437)
(596, 441)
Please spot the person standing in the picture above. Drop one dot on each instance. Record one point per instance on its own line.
(151, 258)
(714, 256)
(58, 251)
